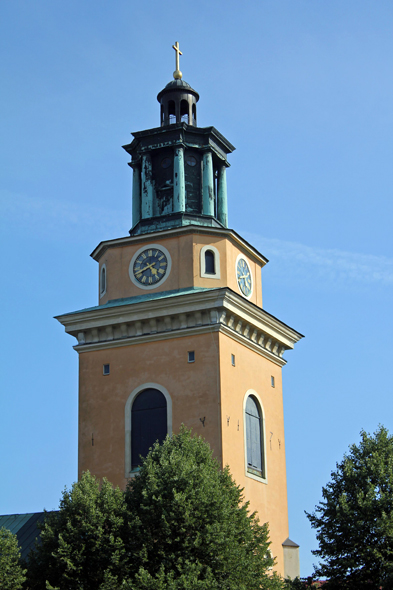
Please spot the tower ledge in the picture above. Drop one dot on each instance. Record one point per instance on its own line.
(178, 313)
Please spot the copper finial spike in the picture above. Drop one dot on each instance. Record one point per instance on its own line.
(177, 73)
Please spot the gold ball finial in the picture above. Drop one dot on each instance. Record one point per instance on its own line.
(177, 73)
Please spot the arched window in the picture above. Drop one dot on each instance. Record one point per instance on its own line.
(148, 423)
(209, 263)
(171, 112)
(103, 281)
(184, 111)
(194, 114)
(254, 438)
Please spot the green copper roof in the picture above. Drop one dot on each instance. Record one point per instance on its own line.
(144, 297)
(24, 526)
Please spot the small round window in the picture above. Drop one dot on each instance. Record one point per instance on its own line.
(191, 160)
(166, 162)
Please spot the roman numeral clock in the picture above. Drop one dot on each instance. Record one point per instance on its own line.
(179, 334)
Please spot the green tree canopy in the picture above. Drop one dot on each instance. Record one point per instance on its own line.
(12, 575)
(355, 519)
(191, 525)
(83, 545)
(181, 525)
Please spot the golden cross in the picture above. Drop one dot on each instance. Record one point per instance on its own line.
(177, 73)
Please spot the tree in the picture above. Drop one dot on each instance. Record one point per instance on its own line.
(191, 526)
(82, 546)
(355, 519)
(181, 525)
(12, 575)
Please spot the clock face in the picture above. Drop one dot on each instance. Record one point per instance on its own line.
(150, 267)
(244, 279)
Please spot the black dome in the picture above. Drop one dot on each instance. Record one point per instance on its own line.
(179, 86)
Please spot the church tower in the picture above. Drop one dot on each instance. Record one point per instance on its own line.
(179, 334)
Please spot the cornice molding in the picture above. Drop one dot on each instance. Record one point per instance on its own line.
(187, 314)
(173, 232)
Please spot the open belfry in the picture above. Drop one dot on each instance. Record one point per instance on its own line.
(179, 335)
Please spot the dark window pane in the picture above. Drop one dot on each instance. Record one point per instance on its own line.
(148, 423)
(209, 263)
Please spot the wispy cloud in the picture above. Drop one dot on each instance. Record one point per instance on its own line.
(298, 262)
(65, 217)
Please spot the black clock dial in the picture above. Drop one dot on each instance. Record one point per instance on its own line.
(150, 266)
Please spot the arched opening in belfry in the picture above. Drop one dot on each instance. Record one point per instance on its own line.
(171, 112)
(184, 111)
(162, 115)
(194, 114)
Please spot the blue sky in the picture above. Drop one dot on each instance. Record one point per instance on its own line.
(304, 90)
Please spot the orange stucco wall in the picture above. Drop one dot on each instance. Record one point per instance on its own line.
(186, 269)
(253, 372)
(193, 388)
(211, 388)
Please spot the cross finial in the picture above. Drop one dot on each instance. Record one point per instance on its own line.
(177, 73)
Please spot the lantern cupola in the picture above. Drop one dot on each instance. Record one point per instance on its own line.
(179, 169)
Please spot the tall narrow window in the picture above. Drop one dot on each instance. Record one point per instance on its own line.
(209, 263)
(148, 423)
(103, 281)
(254, 436)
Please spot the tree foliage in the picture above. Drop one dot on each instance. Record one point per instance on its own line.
(82, 546)
(192, 525)
(355, 519)
(12, 575)
(181, 524)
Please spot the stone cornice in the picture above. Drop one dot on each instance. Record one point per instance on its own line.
(186, 314)
(173, 232)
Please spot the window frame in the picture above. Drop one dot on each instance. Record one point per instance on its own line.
(204, 274)
(127, 415)
(254, 394)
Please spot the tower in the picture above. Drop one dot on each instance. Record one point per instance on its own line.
(179, 334)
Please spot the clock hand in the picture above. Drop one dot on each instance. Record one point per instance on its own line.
(147, 267)
(242, 277)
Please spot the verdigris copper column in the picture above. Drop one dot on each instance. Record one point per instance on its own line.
(222, 206)
(147, 187)
(207, 185)
(179, 186)
(136, 194)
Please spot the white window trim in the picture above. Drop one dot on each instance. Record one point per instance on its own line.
(102, 293)
(250, 266)
(131, 266)
(216, 253)
(127, 415)
(247, 473)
